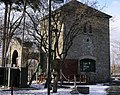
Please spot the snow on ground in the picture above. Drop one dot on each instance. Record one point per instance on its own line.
(94, 90)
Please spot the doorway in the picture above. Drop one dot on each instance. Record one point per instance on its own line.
(14, 58)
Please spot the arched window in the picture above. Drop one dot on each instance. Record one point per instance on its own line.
(87, 65)
(14, 57)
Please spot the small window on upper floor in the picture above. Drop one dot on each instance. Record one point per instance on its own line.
(87, 40)
(90, 28)
(87, 28)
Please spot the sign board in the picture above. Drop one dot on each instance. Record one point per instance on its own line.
(87, 65)
(58, 1)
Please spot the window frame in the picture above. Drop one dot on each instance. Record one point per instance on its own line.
(87, 65)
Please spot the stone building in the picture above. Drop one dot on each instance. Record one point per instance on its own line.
(86, 31)
(90, 51)
(89, 56)
(24, 55)
(22, 61)
(21, 53)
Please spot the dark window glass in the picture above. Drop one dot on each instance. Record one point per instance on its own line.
(87, 65)
(90, 28)
(85, 29)
(87, 40)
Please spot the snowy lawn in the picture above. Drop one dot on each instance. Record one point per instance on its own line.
(94, 90)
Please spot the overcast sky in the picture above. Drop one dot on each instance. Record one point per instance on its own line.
(112, 7)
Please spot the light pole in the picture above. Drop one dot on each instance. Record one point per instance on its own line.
(49, 41)
(49, 51)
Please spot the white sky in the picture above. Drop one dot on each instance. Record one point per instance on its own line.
(112, 7)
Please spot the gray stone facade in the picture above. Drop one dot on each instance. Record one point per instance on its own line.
(87, 29)
(91, 44)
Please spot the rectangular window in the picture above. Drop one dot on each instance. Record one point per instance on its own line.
(87, 65)
(90, 28)
(84, 28)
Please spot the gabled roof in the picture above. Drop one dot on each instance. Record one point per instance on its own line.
(78, 4)
(26, 43)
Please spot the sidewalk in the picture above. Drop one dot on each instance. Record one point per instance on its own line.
(114, 89)
(94, 90)
(15, 88)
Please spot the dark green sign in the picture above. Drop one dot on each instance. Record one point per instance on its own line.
(87, 65)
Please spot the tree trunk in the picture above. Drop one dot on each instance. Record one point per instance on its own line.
(32, 78)
(61, 78)
(57, 76)
(55, 82)
(33, 75)
(4, 36)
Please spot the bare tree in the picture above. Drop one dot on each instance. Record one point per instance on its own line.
(33, 27)
(10, 25)
(12, 22)
(68, 22)
(115, 56)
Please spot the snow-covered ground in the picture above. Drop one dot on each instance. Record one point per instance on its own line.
(94, 90)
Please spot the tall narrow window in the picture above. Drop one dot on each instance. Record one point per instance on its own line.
(90, 28)
(85, 28)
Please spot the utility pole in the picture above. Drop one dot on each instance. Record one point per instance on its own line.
(49, 51)
(49, 47)
(23, 34)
